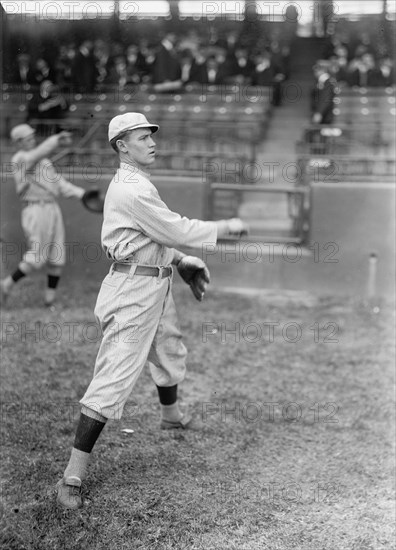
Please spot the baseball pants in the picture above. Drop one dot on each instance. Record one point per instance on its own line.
(43, 226)
(138, 320)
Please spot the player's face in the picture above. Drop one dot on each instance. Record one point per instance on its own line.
(139, 147)
(28, 143)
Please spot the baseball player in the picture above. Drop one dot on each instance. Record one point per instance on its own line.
(38, 185)
(135, 307)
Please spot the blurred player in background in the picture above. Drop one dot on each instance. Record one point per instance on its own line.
(38, 186)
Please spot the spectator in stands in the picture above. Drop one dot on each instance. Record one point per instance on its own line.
(362, 71)
(338, 69)
(84, 72)
(186, 62)
(166, 74)
(118, 73)
(210, 68)
(290, 24)
(264, 72)
(48, 104)
(102, 60)
(23, 72)
(267, 74)
(280, 57)
(322, 95)
(386, 72)
(132, 64)
(224, 59)
(63, 66)
(242, 66)
(145, 60)
(364, 45)
(189, 41)
(42, 72)
(216, 70)
(194, 67)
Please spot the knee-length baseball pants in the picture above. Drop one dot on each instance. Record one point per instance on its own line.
(138, 320)
(42, 224)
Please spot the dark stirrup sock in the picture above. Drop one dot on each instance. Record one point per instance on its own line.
(88, 431)
(167, 395)
(53, 281)
(17, 275)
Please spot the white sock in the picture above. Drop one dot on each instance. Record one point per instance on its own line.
(171, 413)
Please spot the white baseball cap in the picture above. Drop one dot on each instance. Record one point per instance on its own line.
(21, 131)
(129, 121)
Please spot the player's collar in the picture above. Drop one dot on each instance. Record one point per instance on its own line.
(133, 168)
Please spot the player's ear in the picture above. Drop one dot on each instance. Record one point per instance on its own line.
(121, 145)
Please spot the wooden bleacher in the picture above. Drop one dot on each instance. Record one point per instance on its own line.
(369, 114)
(234, 116)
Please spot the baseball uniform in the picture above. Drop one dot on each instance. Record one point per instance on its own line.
(38, 186)
(136, 312)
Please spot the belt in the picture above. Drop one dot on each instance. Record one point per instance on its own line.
(27, 203)
(150, 271)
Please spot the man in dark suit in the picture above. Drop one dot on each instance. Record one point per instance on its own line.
(322, 95)
(362, 71)
(267, 74)
(166, 70)
(241, 65)
(43, 72)
(49, 105)
(23, 72)
(386, 72)
(84, 71)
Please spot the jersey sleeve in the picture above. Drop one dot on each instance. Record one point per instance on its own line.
(69, 190)
(169, 228)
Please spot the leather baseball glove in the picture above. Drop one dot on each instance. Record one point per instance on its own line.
(93, 200)
(195, 273)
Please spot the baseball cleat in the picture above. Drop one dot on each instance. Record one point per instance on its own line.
(49, 297)
(183, 423)
(69, 493)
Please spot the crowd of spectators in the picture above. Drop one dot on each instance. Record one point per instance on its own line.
(177, 61)
(171, 63)
(360, 64)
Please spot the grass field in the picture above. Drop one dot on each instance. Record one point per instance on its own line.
(291, 447)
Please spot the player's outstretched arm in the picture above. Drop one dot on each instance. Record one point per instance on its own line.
(46, 148)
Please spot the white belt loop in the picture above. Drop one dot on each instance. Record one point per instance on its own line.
(160, 272)
(132, 270)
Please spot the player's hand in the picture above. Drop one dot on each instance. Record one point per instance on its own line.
(65, 138)
(234, 227)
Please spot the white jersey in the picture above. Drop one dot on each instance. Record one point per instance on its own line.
(139, 227)
(36, 178)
